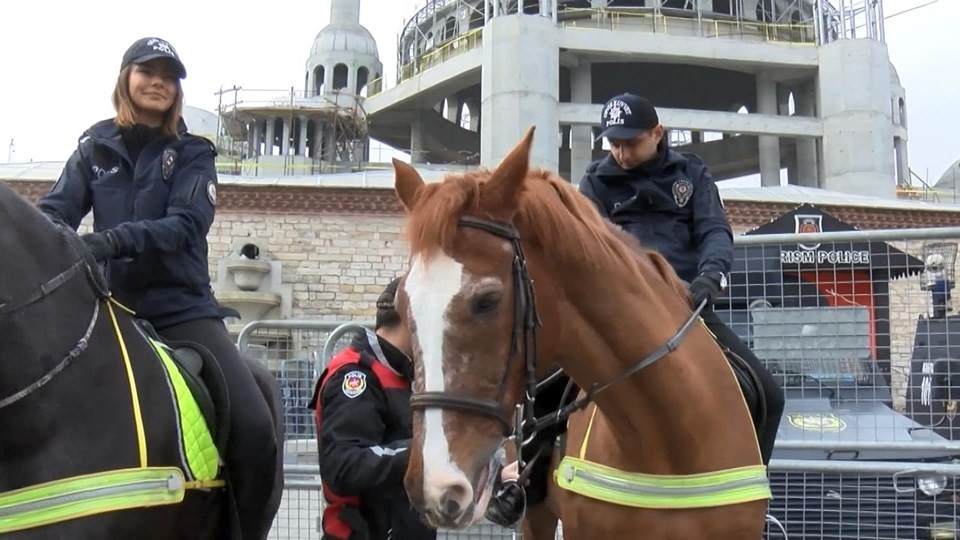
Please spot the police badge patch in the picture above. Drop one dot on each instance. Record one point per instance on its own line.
(168, 161)
(212, 192)
(354, 383)
(682, 190)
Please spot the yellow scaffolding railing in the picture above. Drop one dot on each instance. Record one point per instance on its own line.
(694, 25)
(455, 47)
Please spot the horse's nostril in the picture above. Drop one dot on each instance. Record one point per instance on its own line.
(453, 501)
(451, 507)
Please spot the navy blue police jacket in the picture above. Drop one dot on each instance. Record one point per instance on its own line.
(361, 406)
(160, 208)
(671, 205)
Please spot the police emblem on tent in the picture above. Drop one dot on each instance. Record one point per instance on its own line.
(167, 162)
(808, 224)
(682, 190)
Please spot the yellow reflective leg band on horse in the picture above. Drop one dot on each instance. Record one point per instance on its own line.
(88, 495)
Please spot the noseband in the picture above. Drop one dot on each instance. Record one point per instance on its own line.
(522, 423)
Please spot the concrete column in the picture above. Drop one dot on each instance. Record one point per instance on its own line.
(581, 137)
(855, 97)
(318, 132)
(453, 109)
(328, 78)
(804, 101)
(597, 4)
(252, 138)
(416, 140)
(302, 146)
(352, 78)
(749, 9)
(705, 5)
(285, 140)
(520, 90)
(270, 138)
(332, 154)
(769, 146)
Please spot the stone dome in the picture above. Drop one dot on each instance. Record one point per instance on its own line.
(200, 122)
(355, 39)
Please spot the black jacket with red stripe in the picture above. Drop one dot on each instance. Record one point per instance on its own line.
(364, 426)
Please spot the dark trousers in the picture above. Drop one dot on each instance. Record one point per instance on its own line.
(251, 447)
(726, 337)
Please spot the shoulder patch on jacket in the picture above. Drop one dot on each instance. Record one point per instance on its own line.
(354, 383)
(212, 192)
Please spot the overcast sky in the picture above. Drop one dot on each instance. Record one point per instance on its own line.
(59, 63)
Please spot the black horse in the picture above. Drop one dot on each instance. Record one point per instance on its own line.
(71, 362)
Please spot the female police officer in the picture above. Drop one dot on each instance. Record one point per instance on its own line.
(153, 190)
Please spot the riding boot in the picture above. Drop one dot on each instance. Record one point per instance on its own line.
(251, 453)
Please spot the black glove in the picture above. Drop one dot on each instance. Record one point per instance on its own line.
(103, 245)
(707, 286)
(507, 507)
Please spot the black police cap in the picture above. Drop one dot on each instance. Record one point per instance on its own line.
(149, 48)
(626, 116)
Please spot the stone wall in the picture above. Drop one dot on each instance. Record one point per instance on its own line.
(338, 249)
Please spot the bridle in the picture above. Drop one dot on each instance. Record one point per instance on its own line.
(521, 423)
(85, 262)
(526, 320)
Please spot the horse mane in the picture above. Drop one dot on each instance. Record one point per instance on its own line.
(546, 206)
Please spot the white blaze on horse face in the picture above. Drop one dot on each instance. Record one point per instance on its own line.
(431, 286)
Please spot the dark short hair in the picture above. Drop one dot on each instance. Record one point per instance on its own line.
(387, 314)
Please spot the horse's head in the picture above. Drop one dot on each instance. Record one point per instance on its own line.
(468, 301)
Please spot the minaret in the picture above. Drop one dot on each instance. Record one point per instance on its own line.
(345, 12)
(344, 56)
(343, 66)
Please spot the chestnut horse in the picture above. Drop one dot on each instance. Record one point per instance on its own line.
(667, 447)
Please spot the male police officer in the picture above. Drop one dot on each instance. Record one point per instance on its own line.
(670, 203)
(364, 425)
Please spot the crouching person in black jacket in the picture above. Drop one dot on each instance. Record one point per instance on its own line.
(364, 425)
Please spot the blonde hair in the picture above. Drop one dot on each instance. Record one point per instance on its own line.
(126, 115)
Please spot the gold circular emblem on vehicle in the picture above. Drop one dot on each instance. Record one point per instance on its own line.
(817, 422)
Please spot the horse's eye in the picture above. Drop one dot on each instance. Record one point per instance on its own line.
(487, 302)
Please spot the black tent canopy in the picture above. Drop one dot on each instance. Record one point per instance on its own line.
(769, 271)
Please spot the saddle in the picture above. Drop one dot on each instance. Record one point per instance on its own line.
(202, 375)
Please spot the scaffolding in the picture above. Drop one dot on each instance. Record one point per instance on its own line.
(286, 132)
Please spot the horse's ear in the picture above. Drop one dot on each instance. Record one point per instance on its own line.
(502, 189)
(407, 182)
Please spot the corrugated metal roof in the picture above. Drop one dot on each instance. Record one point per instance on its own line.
(383, 178)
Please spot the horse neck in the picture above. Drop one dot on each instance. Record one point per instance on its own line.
(37, 337)
(610, 320)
